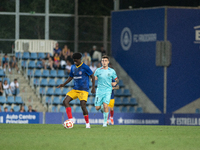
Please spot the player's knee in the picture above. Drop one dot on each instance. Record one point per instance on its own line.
(97, 107)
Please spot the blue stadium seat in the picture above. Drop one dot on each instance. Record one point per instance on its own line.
(89, 101)
(16, 108)
(57, 92)
(61, 74)
(0, 79)
(45, 73)
(53, 74)
(9, 107)
(125, 101)
(121, 84)
(131, 110)
(133, 101)
(25, 56)
(56, 100)
(43, 82)
(8, 80)
(2, 99)
(78, 109)
(2, 109)
(71, 83)
(126, 92)
(2, 74)
(197, 111)
(36, 82)
(58, 82)
(124, 110)
(18, 100)
(39, 65)
(62, 109)
(118, 101)
(24, 64)
(73, 102)
(10, 100)
(41, 56)
(62, 99)
(93, 110)
(30, 73)
(139, 110)
(50, 91)
(48, 100)
(96, 82)
(118, 92)
(26, 108)
(54, 109)
(90, 83)
(37, 73)
(65, 91)
(52, 82)
(117, 110)
(18, 55)
(42, 91)
(33, 56)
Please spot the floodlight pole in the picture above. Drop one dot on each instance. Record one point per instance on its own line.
(116, 5)
(17, 19)
(46, 19)
(76, 27)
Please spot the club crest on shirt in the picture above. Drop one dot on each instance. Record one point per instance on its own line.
(108, 74)
(80, 72)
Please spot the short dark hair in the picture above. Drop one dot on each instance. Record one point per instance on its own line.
(105, 56)
(15, 79)
(77, 56)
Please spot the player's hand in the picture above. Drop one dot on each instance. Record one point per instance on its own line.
(61, 85)
(93, 90)
(114, 83)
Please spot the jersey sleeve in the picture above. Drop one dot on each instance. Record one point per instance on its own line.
(96, 72)
(114, 75)
(71, 72)
(88, 71)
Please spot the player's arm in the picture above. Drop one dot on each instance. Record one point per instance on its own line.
(68, 80)
(93, 83)
(115, 87)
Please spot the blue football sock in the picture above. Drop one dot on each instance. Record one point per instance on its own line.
(105, 116)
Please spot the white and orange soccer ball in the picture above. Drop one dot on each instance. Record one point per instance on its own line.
(68, 124)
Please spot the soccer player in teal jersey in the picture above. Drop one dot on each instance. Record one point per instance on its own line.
(104, 75)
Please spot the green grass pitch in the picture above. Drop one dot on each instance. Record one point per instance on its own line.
(124, 137)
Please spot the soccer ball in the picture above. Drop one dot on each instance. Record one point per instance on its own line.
(68, 124)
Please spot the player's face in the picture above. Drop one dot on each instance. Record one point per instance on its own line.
(105, 62)
(77, 62)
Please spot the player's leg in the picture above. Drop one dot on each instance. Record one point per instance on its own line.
(111, 106)
(106, 101)
(98, 102)
(83, 96)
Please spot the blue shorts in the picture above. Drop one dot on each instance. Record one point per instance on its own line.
(103, 98)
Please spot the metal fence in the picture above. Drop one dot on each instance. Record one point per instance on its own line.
(41, 20)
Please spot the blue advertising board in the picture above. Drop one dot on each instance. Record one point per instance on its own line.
(134, 36)
(21, 118)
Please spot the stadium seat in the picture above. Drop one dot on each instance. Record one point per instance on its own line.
(71, 83)
(96, 82)
(65, 91)
(9, 107)
(16, 108)
(93, 110)
(52, 82)
(2, 99)
(30, 73)
(2, 109)
(61, 74)
(33, 56)
(50, 91)
(118, 92)
(8, 80)
(25, 56)
(42, 91)
(78, 109)
(124, 110)
(26, 108)
(131, 110)
(48, 100)
(45, 73)
(62, 109)
(37, 73)
(24, 64)
(118, 101)
(121, 84)
(73, 102)
(54, 109)
(39, 65)
(126, 92)
(89, 101)
(57, 92)
(58, 82)
(36, 82)
(2, 74)
(133, 101)
(0, 79)
(125, 101)
(90, 83)
(197, 111)
(18, 55)
(56, 100)
(41, 56)
(116, 109)
(10, 100)
(139, 110)
(53, 74)
(43, 82)
(18, 100)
